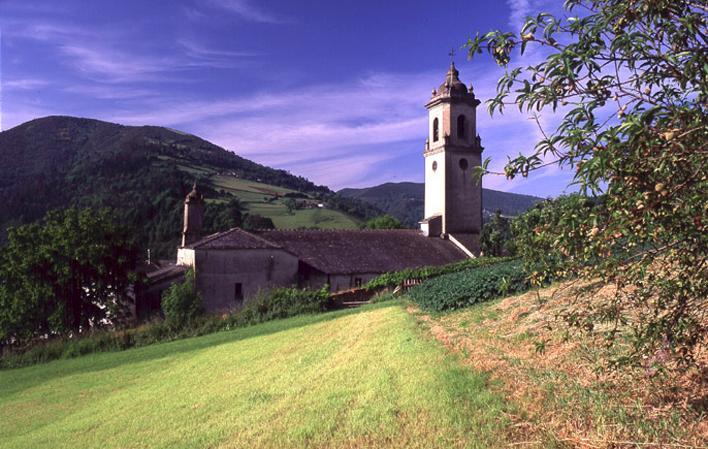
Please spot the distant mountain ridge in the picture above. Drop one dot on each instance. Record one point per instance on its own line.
(405, 200)
(143, 173)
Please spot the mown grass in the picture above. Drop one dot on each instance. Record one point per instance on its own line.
(368, 378)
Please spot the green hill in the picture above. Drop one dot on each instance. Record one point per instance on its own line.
(405, 200)
(143, 173)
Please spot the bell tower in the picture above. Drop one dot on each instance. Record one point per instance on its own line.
(193, 216)
(453, 198)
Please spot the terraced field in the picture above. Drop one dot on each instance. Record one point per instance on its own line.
(268, 200)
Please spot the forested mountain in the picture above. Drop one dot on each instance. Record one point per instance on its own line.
(405, 200)
(143, 173)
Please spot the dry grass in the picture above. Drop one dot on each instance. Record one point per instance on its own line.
(563, 395)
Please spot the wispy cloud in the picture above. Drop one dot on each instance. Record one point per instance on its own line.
(112, 65)
(248, 11)
(200, 55)
(24, 84)
(105, 55)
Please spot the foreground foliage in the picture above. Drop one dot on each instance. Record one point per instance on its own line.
(472, 286)
(363, 378)
(630, 78)
(66, 274)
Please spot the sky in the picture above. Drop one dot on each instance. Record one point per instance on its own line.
(330, 90)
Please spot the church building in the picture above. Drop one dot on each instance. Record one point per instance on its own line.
(234, 265)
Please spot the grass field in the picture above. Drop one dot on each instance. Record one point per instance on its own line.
(368, 378)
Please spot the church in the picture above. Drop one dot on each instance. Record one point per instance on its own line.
(234, 265)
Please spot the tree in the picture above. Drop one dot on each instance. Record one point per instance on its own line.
(220, 217)
(384, 222)
(496, 239)
(64, 275)
(254, 222)
(181, 302)
(290, 204)
(629, 77)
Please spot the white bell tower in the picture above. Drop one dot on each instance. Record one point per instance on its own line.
(453, 198)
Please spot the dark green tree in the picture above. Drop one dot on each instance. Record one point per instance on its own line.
(384, 222)
(64, 275)
(496, 239)
(290, 204)
(181, 302)
(254, 222)
(220, 217)
(630, 79)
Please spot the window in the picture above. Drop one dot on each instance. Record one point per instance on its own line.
(435, 130)
(464, 164)
(461, 124)
(238, 292)
(435, 165)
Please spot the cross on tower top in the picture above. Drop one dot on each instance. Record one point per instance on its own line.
(452, 55)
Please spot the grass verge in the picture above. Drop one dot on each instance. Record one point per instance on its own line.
(561, 394)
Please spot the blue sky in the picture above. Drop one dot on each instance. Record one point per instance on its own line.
(330, 90)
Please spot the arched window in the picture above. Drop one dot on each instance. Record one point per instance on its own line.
(461, 126)
(435, 130)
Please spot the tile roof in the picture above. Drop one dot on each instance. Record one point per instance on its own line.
(366, 251)
(235, 238)
(168, 272)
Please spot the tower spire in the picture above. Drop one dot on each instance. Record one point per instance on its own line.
(193, 215)
(453, 197)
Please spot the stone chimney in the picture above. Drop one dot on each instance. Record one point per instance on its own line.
(193, 216)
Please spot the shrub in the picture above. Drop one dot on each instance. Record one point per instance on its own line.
(383, 222)
(181, 303)
(273, 304)
(465, 288)
(398, 277)
(496, 239)
(285, 302)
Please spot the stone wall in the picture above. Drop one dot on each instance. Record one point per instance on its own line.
(227, 279)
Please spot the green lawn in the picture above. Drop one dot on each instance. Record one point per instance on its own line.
(369, 378)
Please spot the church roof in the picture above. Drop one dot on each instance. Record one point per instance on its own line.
(235, 238)
(343, 251)
(365, 251)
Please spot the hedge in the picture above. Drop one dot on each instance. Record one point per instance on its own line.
(398, 277)
(465, 288)
(270, 305)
